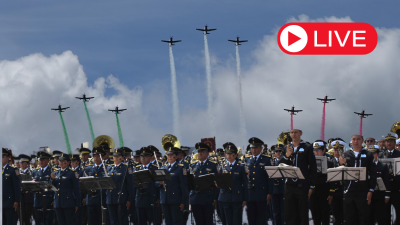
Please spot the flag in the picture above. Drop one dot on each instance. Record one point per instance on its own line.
(210, 142)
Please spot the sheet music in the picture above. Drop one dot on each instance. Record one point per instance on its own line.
(322, 164)
(396, 166)
(389, 163)
(380, 185)
(351, 173)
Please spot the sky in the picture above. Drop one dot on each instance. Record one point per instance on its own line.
(52, 52)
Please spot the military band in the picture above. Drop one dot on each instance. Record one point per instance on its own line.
(173, 201)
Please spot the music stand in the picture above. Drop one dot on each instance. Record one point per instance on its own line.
(39, 186)
(389, 163)
(223, 180)
(284, 171)
(342, 173)
(204, 182)
(322, 164)
(97, 183)
(190, 182)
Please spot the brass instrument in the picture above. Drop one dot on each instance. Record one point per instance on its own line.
(105, 141)
(169, 141)
(396, 128)
(284, 138)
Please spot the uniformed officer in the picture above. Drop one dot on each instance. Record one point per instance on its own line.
(75, 165)
(56, 155)
(146, 198)
(278, 189)
(97, 199)
(26, 197)
(107, 155)
(174, 192)
(85, 154)
(16, 162)
(131, 164)
(120, 198)
(187, 157)
(298, 191)
(202, 201)
(319, 204)
(181, 157)
(67, 198)
(11, 190)
(136, 158)
(156, 153)
(379, 207)
(34, 162)
(260, 190)
(234, 199)
(336, 191)
(43, 212)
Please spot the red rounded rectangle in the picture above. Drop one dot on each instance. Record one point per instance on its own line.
(327, 38)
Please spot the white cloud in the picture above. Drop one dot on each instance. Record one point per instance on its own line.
(31, 85)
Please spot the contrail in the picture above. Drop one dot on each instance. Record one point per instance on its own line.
(361, 125)
(121, 140)
(209, 87)
(65, 134)
(175, 101)
(291, 121)
(89, 121)
(323, 124)
(242, 121)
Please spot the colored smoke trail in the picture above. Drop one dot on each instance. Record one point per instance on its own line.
(175, 101)
(291, 121)
(65, 134)
(89, 121)
(242, 121)
(121, 140)
(209, 87)
(323, 124)
(361, 125)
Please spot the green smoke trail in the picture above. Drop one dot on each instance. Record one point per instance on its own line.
(65, 134)
(121, 140)
(89, 121)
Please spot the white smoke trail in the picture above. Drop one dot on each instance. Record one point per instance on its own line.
(242, 121)
(175, 101)
(209, 87)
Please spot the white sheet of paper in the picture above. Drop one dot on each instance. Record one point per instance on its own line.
(322, 164)
(286, 171)
(380, 185)
(351, 173)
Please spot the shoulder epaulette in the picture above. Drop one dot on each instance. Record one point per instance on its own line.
(155, 165)
(138, 165)
(12, 166)
(56, 168)
(247, 155)
(72, 169)
(181, 165)
(212, 161)
(194, 162)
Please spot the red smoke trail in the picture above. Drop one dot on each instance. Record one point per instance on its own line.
(361, 125)
(291, 121)
(323, 124)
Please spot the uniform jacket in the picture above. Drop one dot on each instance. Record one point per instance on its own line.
(204, 197)
(95, 198)
(68, 194)
(27, 197)
(11, 186)
(304, 159)
(145, 197)
(40, 175)
(240, 190)
(394, 180)
(174, 191)
(382, 171)
(366, 160)
(336, 188)
(117, 173)
(278, 185)
(259, 183)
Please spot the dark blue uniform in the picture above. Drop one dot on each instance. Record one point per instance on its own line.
(259, 188)
(67, 196)
(43, 199)
(232, 199)
(117, 173)
(93, 201)
(202, 202)
(173, 193)
(27, 201)
(79, 214)
(11, 193)
(146, 199)
(278, 189)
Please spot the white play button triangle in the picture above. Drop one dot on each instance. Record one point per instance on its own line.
(293, 38)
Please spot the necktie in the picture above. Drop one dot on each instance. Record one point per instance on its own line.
(169, 167)
(201, 164)
(98, 167)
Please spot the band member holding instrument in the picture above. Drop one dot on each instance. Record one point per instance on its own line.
(336, 191)
(358, 194)
(278, 189)
(27, 206)
(298, 192)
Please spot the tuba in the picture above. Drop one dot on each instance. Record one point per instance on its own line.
(396, 128)
(105, 141)
(169, 141)
(284, 138)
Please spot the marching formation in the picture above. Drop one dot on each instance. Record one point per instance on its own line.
(281, 183)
